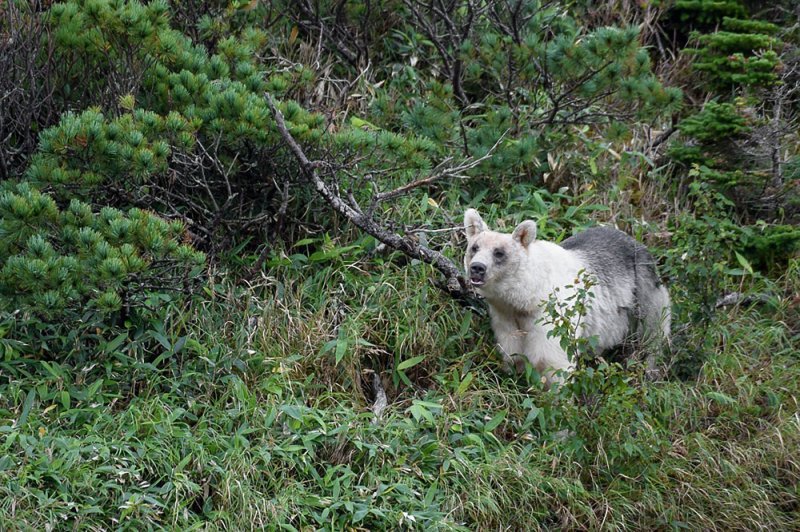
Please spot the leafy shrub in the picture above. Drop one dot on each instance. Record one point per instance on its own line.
(715, 122)
(108, 161)
(770, 247)
(104, 48)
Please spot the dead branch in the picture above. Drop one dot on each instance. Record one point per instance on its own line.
(739, 299)
(455, 284)
(27, 85)
(661, 138)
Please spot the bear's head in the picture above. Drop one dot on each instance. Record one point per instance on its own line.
(491, 256)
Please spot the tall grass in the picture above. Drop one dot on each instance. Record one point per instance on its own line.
(263, 420)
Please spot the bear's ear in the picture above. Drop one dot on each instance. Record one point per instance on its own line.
(525, 233)
(473, 223)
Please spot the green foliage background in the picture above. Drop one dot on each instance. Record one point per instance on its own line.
(190, 337)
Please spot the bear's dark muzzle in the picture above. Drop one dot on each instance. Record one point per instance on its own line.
(477, 271)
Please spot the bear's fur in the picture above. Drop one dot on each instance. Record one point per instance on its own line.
(516, 274)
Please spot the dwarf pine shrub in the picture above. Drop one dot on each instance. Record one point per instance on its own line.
(64, 270)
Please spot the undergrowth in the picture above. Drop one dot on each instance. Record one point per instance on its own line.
(261, 420)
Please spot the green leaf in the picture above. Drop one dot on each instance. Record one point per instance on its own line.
(182, 463)
(721, 398)
(361, 123)
(495, 421)
(541, 206)
(115, 343)
(360, 514)
(165, 343)
(431, 493)
(734, 272)
(533, 413)
(328, 347)
(65, 399)
(293, 411)
(436, 407)
(53, 369)
(26, 408)
(420, 412)
(465, 382)
(94, 388)
(410, 363)
(743, 261)
(179, 344)
(465, 324)
(341, 345)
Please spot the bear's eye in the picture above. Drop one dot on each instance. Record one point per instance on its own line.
(475, 248)
(499, 253)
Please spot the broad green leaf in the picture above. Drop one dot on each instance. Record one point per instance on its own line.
(93, 389)
(744, 263)
(65, 399)
(431, 493)
(53, 369)
(410, 363)
(495, 421)
(179, 344)
(341, 345)
(115, 343)
(26, 408)
(465, 382)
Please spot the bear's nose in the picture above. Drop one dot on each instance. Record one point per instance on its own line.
(477, 269)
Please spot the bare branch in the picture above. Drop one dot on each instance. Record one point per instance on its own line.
(455, 283)
(442, 171)
(660, 139)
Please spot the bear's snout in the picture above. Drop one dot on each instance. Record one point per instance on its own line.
(477, 271)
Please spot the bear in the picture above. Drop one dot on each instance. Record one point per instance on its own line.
(516, 274)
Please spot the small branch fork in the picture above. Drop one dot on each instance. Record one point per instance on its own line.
(455, 284)
(442, 171)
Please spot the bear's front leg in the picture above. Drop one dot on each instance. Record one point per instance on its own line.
(512, 363)
(510, 340)
(546, 355)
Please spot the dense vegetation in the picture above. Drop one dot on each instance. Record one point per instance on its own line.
(228, 238)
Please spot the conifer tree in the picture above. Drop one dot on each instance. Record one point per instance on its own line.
(734, 143)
